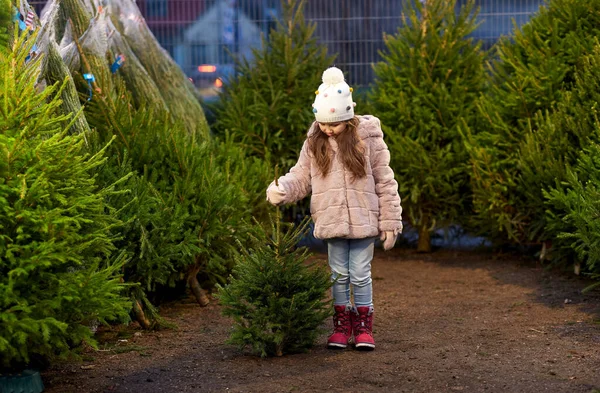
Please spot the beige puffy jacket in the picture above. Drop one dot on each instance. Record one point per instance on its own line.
(341, 207)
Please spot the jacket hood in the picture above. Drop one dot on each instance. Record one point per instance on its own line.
(369, 127)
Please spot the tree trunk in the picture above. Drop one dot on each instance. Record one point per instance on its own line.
(138, 311)
(424, 244)
(546, 250)
(197, 291)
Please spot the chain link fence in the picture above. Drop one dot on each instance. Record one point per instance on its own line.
(201, 34)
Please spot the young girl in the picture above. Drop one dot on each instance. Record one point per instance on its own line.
(345, 164)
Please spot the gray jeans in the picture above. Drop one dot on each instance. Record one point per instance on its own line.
(350, 263)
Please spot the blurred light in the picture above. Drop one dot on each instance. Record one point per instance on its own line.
(207, 68)
(191, 80)
(218, 82)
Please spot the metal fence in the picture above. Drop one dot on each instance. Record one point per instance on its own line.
(203, 32)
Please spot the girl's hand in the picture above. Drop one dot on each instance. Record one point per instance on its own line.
(275, 194)
(388, 238)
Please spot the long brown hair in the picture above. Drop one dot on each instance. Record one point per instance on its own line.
(351, 149)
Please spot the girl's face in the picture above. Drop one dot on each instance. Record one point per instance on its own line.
(333, 129)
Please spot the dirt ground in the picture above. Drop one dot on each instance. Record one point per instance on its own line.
(445, 322)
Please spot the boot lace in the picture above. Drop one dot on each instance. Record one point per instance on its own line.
(342, 322)
(361, 324)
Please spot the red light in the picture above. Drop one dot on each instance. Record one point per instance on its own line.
(207, 68)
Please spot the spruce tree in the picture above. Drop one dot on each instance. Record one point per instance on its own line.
(276, 298)
(192, 198)
(575, 211)
(516, 148)
(566, 162)
(425, 87)
(266, 106)
(55, 70)
(59, 269)
(553, 143)
(179, 94)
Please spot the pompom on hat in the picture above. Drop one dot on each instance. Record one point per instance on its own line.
(333, 101)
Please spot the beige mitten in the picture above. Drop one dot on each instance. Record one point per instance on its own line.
(275, 194)
(388, 238)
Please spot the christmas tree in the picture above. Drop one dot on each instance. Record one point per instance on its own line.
(425, 88)
(59, 269)
(568, 144)
(266, 106)
(575, 211)
(179, 94)
(191, 198)
(275, 296)
(54, 71)
(554, 143)
(105, 42)
(517, 148)
(577, 202)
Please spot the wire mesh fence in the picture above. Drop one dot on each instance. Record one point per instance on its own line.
(201, 35)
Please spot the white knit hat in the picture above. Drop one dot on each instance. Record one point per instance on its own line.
(333, 101)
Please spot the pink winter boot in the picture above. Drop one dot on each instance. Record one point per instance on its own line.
(362, 325)
(342, 327)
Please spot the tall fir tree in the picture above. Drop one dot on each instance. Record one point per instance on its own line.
(517, 149)
(276, 298)
(425, 87)
(568, 149)
(554, 143)
(59, 269)
(266, 107)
